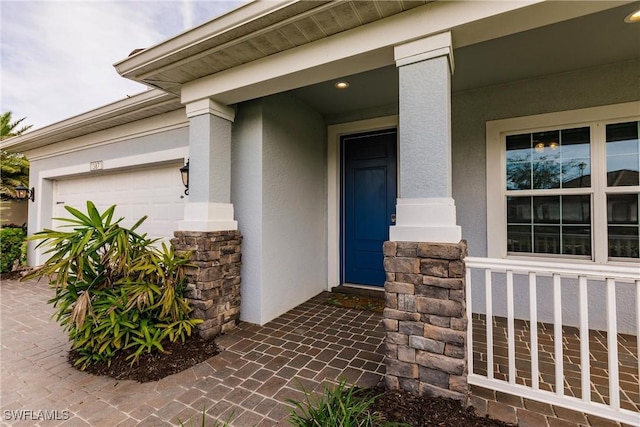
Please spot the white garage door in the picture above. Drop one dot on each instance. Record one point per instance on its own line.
(156, 192)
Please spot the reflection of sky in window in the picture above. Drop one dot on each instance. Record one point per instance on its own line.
(618, 163)
(623, 147)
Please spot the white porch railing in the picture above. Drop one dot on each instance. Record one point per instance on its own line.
(498, 289)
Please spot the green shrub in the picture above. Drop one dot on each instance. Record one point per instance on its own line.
(114, 290)
(337, 406)
(12, 240)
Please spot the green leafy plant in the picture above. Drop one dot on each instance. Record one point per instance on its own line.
(114, 290)
(336, 406)
(12, 240)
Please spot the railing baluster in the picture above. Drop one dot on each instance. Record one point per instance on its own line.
(585, 367)
(557, 335)
(612, 344)
(638, 326)
(469, 299)
(533, 327)
(489, 322)
(511, 329)
(561, 274)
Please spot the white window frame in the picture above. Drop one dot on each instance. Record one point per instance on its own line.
(496, 132)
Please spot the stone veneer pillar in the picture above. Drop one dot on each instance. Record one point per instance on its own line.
(425, 318)
(213, 278)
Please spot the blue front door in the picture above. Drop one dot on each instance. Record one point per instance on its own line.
(368, 204)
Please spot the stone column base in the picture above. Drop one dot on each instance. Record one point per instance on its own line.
(425, 318)
(213, 278)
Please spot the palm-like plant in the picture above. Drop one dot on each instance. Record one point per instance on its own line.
(14, 171)
(14, 166)
(114, 289)
(9, 129)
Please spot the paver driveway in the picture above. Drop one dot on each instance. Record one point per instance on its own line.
(260, 367)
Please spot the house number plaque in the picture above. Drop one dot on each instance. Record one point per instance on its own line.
(95, 166)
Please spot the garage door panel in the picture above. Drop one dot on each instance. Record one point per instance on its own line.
(155, 192)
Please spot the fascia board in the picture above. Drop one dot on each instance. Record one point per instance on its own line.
(206, 31)
(145, 99)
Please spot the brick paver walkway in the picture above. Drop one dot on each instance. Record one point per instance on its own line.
(250, 380)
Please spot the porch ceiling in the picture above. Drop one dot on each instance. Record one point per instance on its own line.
(588, 41)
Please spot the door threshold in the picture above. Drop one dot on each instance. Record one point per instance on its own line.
(376, 292)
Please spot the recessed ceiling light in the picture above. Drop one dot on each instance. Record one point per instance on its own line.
(342, 85)
(633, 17)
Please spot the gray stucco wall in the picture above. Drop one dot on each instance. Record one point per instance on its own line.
(246, 196)
(471, 110)
(278, 191)
(129, 147)
(294, 204)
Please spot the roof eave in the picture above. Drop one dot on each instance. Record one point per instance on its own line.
(121, 107)
(237, 17)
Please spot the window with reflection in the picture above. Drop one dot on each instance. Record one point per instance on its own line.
(569, 185)
(623, 154)
(549, 160)
(549, 224)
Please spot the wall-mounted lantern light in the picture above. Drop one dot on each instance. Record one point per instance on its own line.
(184, 171)
(23, 193)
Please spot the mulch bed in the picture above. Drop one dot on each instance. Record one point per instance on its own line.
(357, 302)
(178, 356)
(12, 275)
(398, 406)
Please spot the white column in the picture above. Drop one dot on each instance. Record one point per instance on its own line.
(209, 207)
(425, 211)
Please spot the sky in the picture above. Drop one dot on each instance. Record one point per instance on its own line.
(57, 56)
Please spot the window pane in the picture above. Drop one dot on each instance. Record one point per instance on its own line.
(623, 154)
(546, 210)
(519, 238)
(546, 159)
(624, 226)
(576, 210)
(519, 162)
(519, 210)
(576, 240)
(550, 159)
(549, 224)
(576, 157)
(546, 174)
(546, 239)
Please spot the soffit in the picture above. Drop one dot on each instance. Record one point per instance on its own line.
(294, 25)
